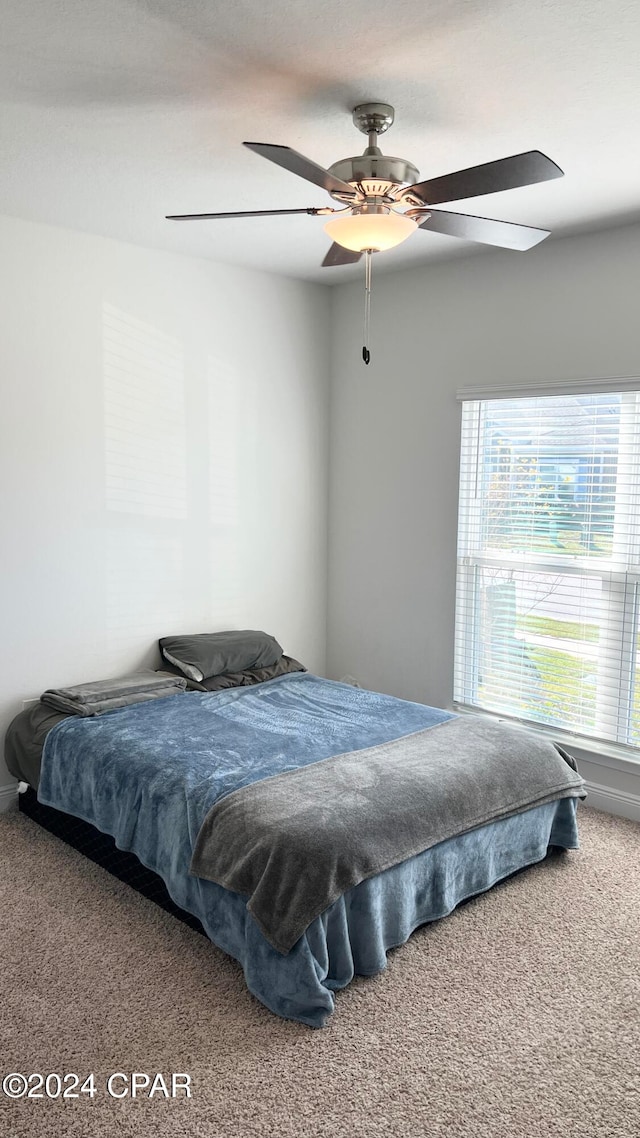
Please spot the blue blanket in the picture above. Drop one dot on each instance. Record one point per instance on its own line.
(152, 768)
(148, 774)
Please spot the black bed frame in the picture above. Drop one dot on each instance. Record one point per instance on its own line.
(102, 849)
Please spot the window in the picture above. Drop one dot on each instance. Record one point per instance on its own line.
(548, 593)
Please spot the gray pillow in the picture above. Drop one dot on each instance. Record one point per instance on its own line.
(208, 654)
(243, 679)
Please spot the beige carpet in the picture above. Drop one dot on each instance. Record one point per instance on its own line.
(516, 1017)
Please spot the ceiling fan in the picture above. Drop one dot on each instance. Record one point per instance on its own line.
(381, 202)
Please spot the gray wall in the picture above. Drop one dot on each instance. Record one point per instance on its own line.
(568, 309)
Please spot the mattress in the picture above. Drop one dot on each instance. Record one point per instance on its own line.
(25, 739)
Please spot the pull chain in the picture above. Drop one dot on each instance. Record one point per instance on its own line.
(366, 354)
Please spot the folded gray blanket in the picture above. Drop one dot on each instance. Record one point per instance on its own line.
(296, 842)
(105, 695)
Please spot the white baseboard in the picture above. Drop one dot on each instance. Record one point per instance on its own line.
(8, 797)
(619, 802)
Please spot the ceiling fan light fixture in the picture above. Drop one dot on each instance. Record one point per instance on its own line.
(377, 229)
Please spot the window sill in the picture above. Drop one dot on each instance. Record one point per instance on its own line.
(592, 750)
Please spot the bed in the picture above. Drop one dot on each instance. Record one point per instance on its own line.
(152, 776)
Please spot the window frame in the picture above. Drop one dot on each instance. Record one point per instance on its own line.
(619, 576)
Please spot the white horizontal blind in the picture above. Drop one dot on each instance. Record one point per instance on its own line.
(548, 592)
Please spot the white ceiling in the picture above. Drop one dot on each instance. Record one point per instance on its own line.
(116, 112)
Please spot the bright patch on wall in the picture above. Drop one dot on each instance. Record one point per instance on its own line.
(145, 433)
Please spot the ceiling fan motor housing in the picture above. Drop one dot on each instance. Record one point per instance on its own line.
(377, 168)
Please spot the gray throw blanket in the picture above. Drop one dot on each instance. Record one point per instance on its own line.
(105, 695)
(296, 842)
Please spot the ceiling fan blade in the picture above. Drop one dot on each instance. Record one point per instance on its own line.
(297, 163)
(504, 234)
(338, 255)
(490, 178)
(242, 213)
